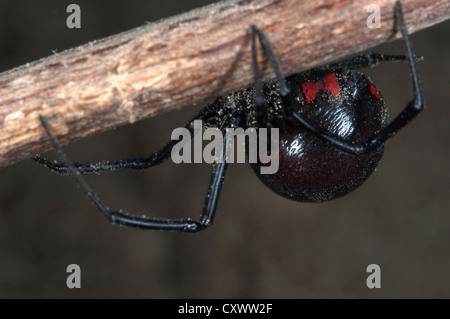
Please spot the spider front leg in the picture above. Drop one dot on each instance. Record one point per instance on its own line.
(183, 225)
(154, 159)
(110, 166)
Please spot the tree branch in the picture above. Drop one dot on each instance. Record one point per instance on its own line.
(181, 61)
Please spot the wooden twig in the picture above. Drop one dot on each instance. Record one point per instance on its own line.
(183, 60)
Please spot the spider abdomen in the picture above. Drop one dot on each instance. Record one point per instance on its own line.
(343, 103)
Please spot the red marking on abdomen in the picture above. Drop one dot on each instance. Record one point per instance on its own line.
(329, 83)
(374, 91)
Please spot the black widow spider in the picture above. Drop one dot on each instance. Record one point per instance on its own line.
(333, 129)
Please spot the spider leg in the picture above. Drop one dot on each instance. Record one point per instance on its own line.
(408, 113)
(110, 166)
(123, 219)
(254, 31)
(154, 159)
(260, 106)
(370, 59)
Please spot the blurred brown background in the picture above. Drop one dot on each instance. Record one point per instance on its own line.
(261, 245)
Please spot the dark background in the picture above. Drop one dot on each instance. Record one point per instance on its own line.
(261, 244)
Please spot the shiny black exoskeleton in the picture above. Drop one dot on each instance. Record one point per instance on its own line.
(344, 103)
(333, 128)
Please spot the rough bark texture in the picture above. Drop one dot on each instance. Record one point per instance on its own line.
(181, 61)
